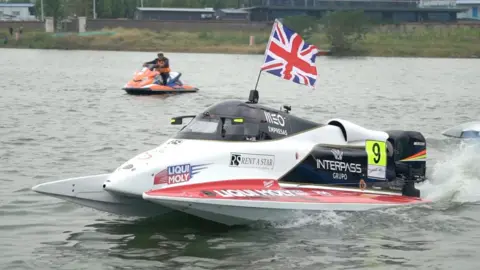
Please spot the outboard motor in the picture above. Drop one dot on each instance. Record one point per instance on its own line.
(409, 157)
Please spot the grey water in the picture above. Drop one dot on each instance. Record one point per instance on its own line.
(63, 114)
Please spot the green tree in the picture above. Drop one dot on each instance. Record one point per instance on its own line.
(52, 8)
(78, 8)
(303, 25)
(344, 28)
(129, 8)
(105, 8)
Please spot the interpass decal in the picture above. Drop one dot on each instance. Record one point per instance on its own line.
(338, 164)
(244, 160)
(278, 122)
(339, 167)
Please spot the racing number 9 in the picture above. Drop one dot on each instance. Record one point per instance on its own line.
(376, 152)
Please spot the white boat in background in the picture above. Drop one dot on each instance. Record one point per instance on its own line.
(469, 130)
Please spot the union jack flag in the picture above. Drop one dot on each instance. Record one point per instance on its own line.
(289, 57)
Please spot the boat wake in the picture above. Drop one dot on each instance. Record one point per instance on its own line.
(455, 178)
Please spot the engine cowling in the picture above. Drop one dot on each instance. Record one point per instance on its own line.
(410, 151)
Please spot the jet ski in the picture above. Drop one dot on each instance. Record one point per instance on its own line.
(469, 130)
(238, 162)
(147, 81)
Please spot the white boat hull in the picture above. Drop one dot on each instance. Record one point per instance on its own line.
(88, 191)
(469, 130)
(234, 212)
(228, 203)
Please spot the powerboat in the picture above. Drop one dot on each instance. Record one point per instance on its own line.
(469, 130)
(238, 162)
(147, 82)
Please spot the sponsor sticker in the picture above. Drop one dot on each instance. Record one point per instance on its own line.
(322, 193)
(275, 119)
(179, 173)
(244, 160)
(277, 130)
(259, 193)
(339, 166)
(278, 121)
(339, 176)
(269, 183)
(377, 159)
(176, 174)
(229, 193)
(362, 185)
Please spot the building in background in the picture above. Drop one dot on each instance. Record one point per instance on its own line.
(188, 14)
(396, 11)
(233, 14)
(472, 12)
(17, 12)
(387, 11)
(174, 14)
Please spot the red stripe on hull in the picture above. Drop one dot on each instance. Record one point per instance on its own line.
(270, 190)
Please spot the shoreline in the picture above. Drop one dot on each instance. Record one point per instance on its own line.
(242, 53)
(421, 43)
(165, 50)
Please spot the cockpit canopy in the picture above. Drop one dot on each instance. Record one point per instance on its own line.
(240, 121)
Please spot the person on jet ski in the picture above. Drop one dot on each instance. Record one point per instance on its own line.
(162, 65)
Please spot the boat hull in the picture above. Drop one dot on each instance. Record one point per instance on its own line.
(233, 204)
(88, 191)
(169, 90)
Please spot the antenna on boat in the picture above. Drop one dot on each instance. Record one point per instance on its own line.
(254, 96)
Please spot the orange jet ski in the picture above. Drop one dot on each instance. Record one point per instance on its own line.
(147, 81)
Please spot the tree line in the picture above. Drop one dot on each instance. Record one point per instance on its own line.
(112, 9)
(343, 29)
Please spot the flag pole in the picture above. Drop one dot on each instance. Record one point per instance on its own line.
(265, 53)
(258, 79)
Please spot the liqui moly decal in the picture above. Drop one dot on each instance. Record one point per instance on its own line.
(177, 174)
(228, 193)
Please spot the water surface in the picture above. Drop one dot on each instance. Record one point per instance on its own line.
(62, 114)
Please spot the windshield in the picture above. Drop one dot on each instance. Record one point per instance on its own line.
(219, 128)
(239, 132)
(208, 126)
